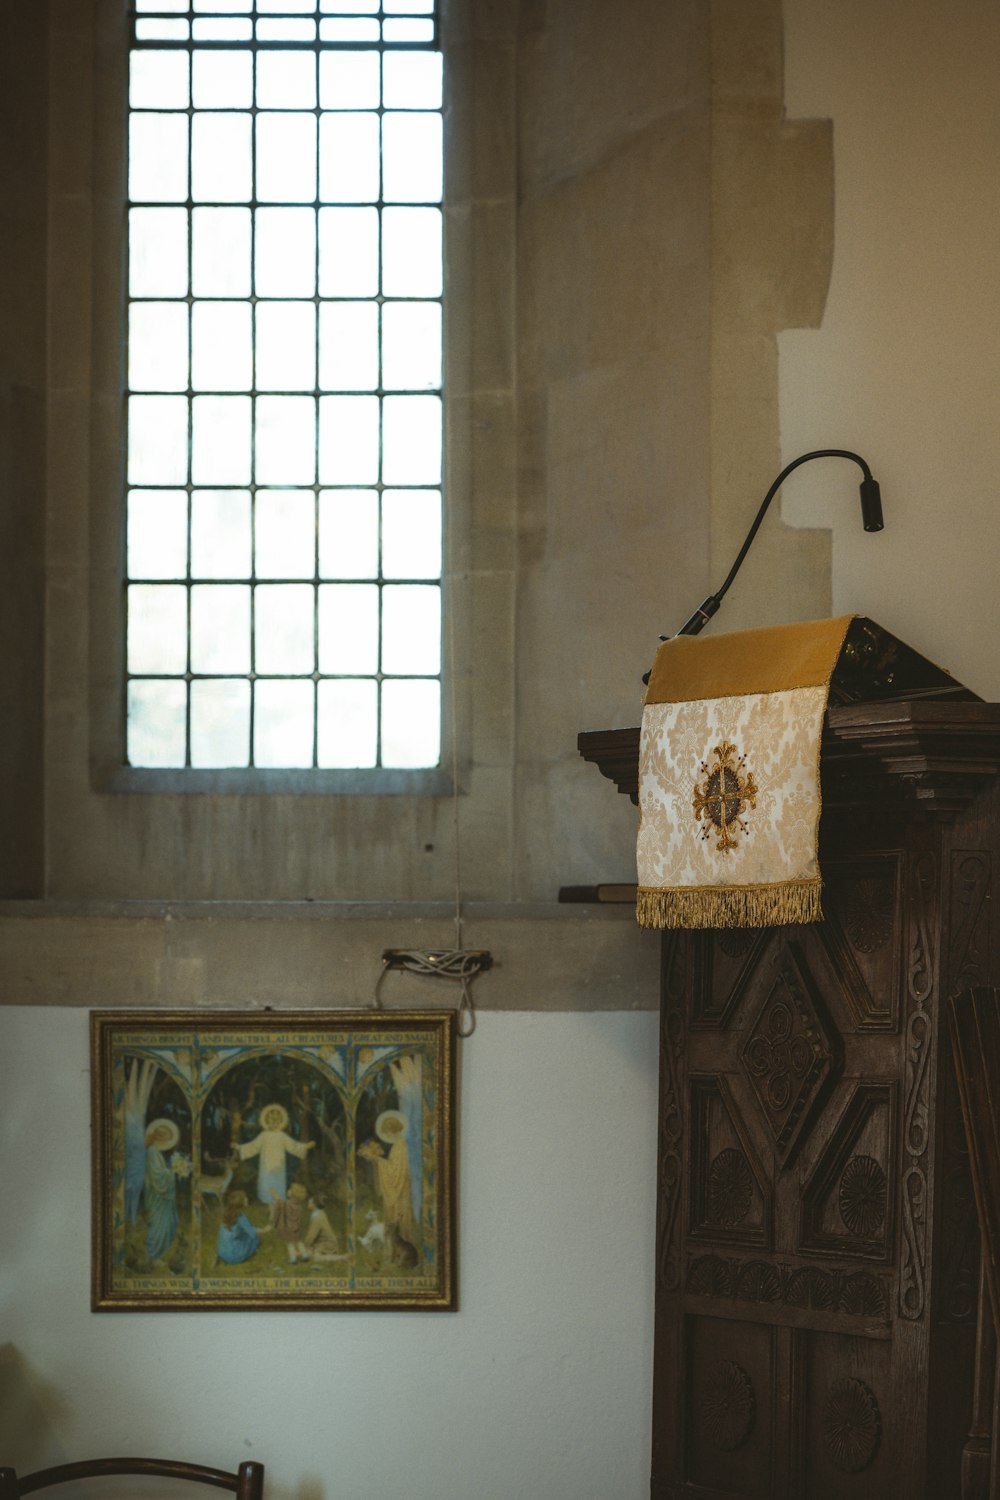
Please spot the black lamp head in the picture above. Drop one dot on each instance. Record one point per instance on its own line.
(871, 504)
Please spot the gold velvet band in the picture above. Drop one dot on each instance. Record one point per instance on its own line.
(750, 661)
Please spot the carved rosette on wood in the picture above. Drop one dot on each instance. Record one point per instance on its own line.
(862, 1197)
(851, 1294)
(868, 914)
(729, 1191)
(726, 1406)
(851, 1424)
(848, 1200)
(736, 942)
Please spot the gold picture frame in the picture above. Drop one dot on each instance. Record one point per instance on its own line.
(302, 1160)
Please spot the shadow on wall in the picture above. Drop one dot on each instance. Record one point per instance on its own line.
(32, 1413)
(307, 1489)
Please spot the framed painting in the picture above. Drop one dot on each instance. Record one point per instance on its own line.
(295, 1159)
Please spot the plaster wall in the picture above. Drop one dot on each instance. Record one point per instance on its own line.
(539, 1384)
(772, 242)
(905, 366)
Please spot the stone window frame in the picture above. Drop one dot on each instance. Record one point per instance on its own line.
(88, 828)
(109, 771)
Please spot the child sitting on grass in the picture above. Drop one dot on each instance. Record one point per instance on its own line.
(238, 1239)
(288, 1220)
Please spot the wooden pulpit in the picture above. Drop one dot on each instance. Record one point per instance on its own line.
(817, 1256)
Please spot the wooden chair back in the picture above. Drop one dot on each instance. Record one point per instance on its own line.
(247, 1483)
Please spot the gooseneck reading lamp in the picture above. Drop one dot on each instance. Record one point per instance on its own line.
(871, 515)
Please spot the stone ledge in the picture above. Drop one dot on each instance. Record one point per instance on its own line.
(317, 954)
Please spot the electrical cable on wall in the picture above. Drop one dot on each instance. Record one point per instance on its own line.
(460, 965)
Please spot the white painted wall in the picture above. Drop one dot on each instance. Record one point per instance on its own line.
(539, 1386)
(906, 365)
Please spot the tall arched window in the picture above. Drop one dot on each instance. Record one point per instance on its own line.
(284, 385)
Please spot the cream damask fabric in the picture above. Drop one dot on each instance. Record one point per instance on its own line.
(729, 799)
(729, 786)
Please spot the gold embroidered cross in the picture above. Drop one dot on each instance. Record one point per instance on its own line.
(726, 792)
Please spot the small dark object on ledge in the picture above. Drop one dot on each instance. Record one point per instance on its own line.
(603, 895)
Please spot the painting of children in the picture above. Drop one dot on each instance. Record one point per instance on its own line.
(285, 1160)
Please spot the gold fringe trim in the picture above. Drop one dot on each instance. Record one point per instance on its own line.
(731, 905)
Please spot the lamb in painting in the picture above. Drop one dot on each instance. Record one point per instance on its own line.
(374, 1237)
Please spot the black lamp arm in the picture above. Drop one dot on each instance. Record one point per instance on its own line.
(871, 512)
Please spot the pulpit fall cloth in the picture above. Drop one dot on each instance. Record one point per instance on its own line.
(729, 777)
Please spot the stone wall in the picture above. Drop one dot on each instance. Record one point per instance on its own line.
(615, 289)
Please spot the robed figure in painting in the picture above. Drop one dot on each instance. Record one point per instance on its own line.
(160, 1188)
(272, 1146)
(392, 1172)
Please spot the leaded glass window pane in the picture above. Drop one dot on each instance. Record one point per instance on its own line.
(284, 403)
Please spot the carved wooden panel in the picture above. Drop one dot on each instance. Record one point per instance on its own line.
(848, 1201)
(817, 1254)
(863, 933)
(968, 965)
(958, 1242)
(792, 1294)
(790, 1052)
(821, 1233)
(729, 1427)
(975, 1035)
(723, 964)
(848, 1446)
(920, 992)
(969, 949)
(730, 1193)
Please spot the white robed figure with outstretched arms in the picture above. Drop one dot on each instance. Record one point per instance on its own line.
(272, 1146)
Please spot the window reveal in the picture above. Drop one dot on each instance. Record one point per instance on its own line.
(284, 385)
